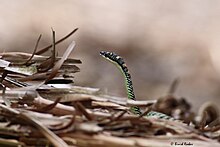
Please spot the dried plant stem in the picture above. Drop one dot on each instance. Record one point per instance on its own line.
(35, 49)
(41, 51)
(58, 142)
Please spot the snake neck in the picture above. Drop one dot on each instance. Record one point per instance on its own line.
(128, 82)
(119, 62)
(129, 88)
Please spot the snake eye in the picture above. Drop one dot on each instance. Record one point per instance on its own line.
(104, 53)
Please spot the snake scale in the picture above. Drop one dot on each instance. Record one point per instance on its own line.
(119, 62)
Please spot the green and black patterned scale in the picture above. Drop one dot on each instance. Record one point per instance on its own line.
(119, 62)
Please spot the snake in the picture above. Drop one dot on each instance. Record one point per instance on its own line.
(120, 63)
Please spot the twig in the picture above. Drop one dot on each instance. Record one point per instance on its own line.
(7, 102)
(35, 49)
(66, 126)
(60, 62)
(54, 48)
(49, 63)
(119, 116)
(3, 76)
(203, 121)
(82, 109)
(41, 51)
(55, 140)
(50, 106)
(145, 112)
(174, 86)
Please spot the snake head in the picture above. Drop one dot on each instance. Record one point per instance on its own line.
(107, 54)
(113, 57)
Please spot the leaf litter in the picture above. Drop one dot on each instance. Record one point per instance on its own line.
(41, 106)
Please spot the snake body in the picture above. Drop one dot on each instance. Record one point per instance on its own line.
(119, 62)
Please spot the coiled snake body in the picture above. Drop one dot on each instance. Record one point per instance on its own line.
(119, 62)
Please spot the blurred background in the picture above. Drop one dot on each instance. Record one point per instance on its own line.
(159, 40)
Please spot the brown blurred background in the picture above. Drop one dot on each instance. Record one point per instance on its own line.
(160, 41)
